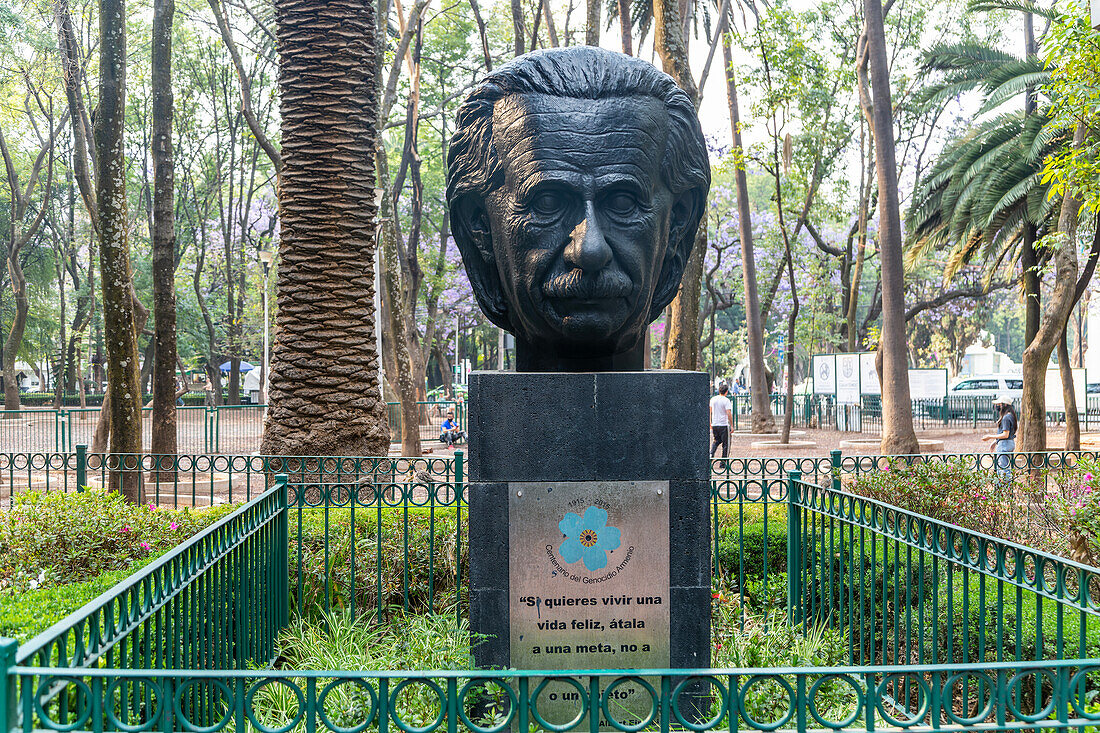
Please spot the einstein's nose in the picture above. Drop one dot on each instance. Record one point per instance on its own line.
(587, 249)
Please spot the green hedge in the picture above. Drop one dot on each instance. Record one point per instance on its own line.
(29, 613)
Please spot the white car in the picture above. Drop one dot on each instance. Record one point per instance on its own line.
(988, 385)
(973, 396)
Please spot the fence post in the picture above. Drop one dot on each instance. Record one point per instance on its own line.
(460, 478)
(794, 548)
(9, 700)
(836, 456)
(282, 548)
(81, 467)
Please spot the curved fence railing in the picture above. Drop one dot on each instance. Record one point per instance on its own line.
(907, 589)
(205, 479)
(212, 602)
(787, 699)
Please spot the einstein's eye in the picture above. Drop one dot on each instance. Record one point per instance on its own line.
(547, 203)
(621, 203)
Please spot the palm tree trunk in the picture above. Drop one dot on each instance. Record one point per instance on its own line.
(898, 436)
(762, 419)
(164, 235)
(324, 391)
(114, 254)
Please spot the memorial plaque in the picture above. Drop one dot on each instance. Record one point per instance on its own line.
(589, 586)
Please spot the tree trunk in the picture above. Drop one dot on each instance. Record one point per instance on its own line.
(401, 377)
(18, 324)
(625, 27)
(1033, 424)
(898, 437)
(762, 419)
(517, 27)
(856, 275)
(17, 239)
(164, 235)
(483, 35)
(683, 325)
(324, 396)
(1069, 396)
(114, 251)
(592, 23)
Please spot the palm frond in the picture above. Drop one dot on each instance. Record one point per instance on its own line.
(1020, 6)
(1013, 87)
(974, 58)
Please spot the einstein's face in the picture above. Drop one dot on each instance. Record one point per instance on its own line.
(580, 225)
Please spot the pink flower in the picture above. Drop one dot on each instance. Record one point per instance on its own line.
(145, 546)
(1088, 477)
(174, 526)
(125, 528)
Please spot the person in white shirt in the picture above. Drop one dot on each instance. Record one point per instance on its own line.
(721, 418)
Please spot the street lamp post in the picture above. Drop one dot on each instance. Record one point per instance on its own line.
(265, 259)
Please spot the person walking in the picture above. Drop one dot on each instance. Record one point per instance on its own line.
(1004, 442)
(721, 418)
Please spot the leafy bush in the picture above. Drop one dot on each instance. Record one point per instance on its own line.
(340, 642)
(29, 613)
(752, 545)
(771, 641)
(56, 538)
(413, 552)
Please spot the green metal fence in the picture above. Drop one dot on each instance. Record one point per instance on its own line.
(948, 629)
(372, 546)
(201, 480)
(342, 701)
(907, 589)
(228, 429)
(214, 602)
(865, 416)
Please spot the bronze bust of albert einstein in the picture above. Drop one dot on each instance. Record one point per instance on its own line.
(576, 182)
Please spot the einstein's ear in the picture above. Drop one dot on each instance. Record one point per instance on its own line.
(473, 235)
(683, 224)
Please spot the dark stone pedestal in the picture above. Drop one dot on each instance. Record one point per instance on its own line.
(638, 428)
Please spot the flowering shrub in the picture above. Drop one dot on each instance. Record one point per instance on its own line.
(950, 491)
(1077, 506)
(54, 538)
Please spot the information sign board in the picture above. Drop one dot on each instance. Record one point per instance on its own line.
(589, 587)
(847, 379)
(824, 366)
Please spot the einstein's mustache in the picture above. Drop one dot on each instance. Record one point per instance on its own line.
(574, 284)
